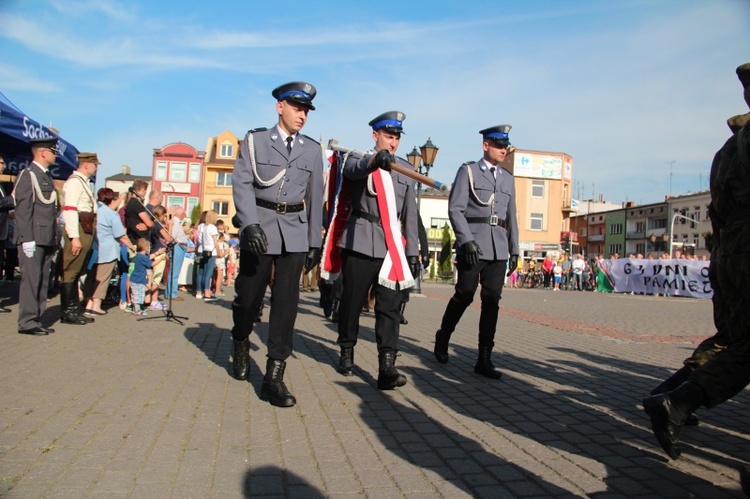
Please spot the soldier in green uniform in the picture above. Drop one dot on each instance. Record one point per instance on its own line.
(720, 367)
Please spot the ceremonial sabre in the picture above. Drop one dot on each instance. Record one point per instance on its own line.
(333, 145)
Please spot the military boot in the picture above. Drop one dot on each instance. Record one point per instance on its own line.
(346, 361)
(484, 364)
(241, 359)
(401, 313)
(441, 346)
(668, 412)
(388, 376)
(273, 388)
(75, 298)
(68, 306)
(673, 382)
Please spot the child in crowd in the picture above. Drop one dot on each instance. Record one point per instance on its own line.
(160, 261)
(232, 264)
(139, 277)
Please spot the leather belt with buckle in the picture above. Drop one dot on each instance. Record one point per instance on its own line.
(280, 207)
(367, 216)
(492, 220)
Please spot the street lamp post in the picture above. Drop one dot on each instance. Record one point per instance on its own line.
(671, 228)
(417, 161)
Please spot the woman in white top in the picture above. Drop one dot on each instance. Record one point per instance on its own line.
(208, 242)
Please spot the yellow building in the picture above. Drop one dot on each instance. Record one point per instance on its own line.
(543, 199)
(218, 165)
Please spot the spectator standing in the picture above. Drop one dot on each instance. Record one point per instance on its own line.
(11, 251)
(221, 258)
(6, 204)
(110, 234)
(208, 242)
(557, 272)
(548, 266)
(567, 271)
(179, 251)
(578, 266)
(79, 216)
(139, 277)
(36, 212)
(158, 248)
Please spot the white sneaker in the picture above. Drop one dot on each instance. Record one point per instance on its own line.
(199, 296)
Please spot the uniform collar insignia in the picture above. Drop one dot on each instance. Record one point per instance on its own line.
(300, 140)
(274, 137)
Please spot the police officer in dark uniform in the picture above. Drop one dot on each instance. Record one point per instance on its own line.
(36, 235)
(720, 366)
(278, 192)
(482, 211)
(364, 248)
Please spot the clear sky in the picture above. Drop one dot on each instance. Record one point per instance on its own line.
(624, 87)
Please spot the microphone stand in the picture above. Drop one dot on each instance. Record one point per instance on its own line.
(168, 314)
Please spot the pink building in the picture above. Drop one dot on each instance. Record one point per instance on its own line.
(178, 173)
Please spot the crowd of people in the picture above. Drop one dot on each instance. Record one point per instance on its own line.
(575, 272)
(105, 247)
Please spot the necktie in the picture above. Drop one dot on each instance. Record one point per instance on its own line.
(492, 169)
(289, 145)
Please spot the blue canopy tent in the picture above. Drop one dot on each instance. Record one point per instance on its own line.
(16, 129)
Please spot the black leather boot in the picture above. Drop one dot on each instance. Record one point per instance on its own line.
(75, 298)
(334, 310)
(346, 361)
(388, 376)
(241, 359)
(484, 364)
(668, 412)
(401, 313)
(68, 307)
(673, 382)
(273, 389)
(441, 346)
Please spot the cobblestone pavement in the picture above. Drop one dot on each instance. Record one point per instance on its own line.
(127, 408)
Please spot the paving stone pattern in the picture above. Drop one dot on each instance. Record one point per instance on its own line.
(128, 408)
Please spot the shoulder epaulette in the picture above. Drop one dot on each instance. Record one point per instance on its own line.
(261, 129)
(310, 138)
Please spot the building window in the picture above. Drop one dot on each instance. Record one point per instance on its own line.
(220, 207)
(537, 188)
(696, 240)
(439, 223)
(224, 179)
(226, 151)
(640, 248)
(582, 232)
(615, 248)
(194, 174)
(177, 171)
(640, 227)
(191, 203)
(175, 201)
(697, 214)
(615, 229)
(537, 221)
(161, 170)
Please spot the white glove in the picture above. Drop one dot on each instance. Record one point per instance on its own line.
(29, 248)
